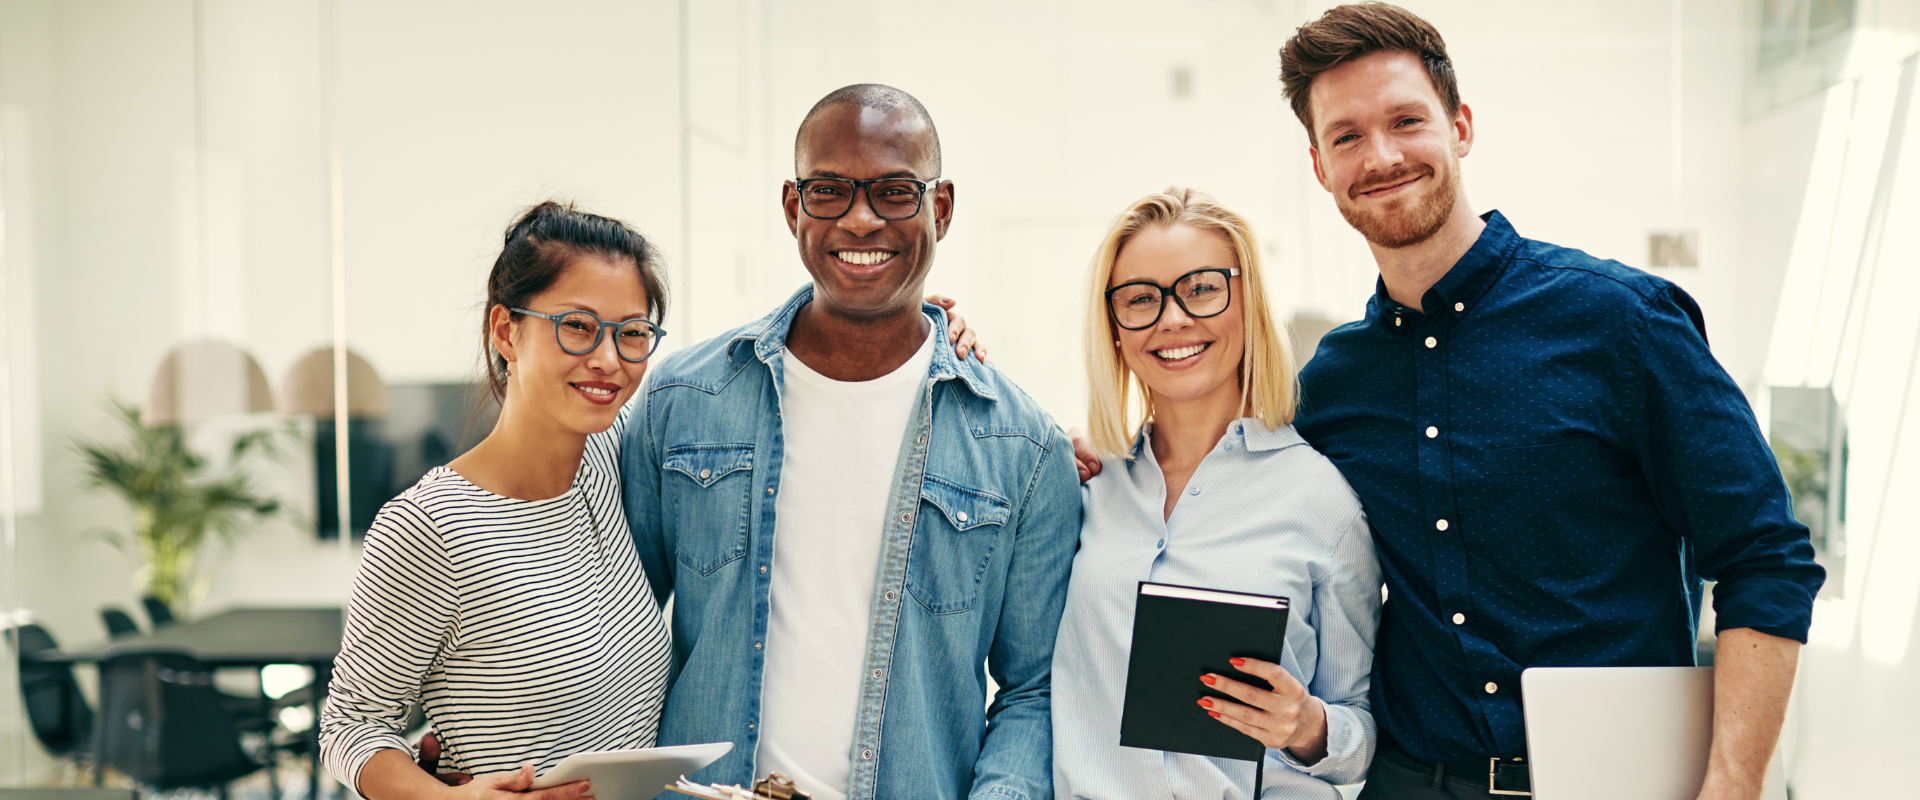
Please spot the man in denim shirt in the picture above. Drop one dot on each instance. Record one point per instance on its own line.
(851, 521)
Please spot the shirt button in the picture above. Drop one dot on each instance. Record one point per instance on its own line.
(1491, 688)
(1229, 447)
(705, 474)
(763, 569)
(890, 595)
(749, 726)
(1459, 619)
(1432, 343)
(962, 516)
(921, 440)
(1442, 525)
(1161, 543)
(906, 516)
(769, 491)
(1432, 431)
(1194, 491)
(876, 673)
(756, 645)
(1396, 322)
(1459, 306)
(866, 755)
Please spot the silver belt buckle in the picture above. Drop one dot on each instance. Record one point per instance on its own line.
(1493, 778)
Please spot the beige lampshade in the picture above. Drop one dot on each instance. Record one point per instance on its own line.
(199, 380)
(309, 387)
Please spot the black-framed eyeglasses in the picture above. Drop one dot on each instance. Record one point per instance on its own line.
(890, 198)
(580, 332)
(1202, 293)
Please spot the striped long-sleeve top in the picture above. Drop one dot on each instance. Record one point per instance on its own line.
(525, 628)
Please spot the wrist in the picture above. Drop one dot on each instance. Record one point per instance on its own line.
(1309, 743)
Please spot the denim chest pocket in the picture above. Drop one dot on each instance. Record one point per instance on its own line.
(709, 489)
(953, 544)
(1532, 492)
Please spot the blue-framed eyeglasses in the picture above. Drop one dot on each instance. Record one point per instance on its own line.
(580, 332)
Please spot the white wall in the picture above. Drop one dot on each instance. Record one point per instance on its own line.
(1844, 321)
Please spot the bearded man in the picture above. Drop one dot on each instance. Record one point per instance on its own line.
(1549, 455)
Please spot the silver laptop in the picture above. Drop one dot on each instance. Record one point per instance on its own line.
(1605, 733)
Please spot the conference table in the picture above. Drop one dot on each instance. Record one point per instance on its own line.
(239, 637)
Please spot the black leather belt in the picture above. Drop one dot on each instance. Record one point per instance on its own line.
(1510, 777)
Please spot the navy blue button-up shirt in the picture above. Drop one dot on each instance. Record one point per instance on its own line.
(1551, 460)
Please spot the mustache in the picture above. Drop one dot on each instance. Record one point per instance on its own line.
(1372, 182)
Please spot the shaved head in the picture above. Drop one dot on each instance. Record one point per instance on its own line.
(880, 98)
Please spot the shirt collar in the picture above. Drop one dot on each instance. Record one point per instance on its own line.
(768, 336)
(1249, 431)
(1458, 291)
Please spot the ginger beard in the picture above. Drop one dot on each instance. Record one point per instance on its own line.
(1402, 221)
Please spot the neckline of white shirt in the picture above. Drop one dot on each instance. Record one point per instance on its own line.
(917, 365)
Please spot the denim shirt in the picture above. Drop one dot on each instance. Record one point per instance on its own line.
(981, 529)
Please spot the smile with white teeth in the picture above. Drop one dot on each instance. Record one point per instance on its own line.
(593, 390)
(865, 258)
(1177, 353)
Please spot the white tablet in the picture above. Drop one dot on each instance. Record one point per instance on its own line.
(633, 774)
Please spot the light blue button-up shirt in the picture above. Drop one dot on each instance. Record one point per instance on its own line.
(1264, 513)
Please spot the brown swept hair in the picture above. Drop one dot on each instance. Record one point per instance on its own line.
(1348, 32)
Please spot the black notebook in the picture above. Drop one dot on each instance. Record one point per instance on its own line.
(1179, 634)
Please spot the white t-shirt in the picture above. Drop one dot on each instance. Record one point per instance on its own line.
(842, 444)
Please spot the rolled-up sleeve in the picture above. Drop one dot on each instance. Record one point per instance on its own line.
(403, 607)
(1715, 480)
(1346, 616)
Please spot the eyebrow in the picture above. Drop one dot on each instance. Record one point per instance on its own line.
(898, 173)
(1410, 105)
(588, 307)
(1144, 279)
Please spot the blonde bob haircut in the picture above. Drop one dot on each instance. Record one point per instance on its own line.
(1267, 380)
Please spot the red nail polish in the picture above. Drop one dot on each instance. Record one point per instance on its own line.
(1238, 662)
(1206, 702)
(1214, 714)
(1207, 679)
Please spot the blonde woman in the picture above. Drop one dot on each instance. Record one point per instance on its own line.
(1205, 483)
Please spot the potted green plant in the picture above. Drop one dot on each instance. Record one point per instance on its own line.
(176, 503)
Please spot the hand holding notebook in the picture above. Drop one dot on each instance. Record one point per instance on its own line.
(1182, 634)
(1284, 717)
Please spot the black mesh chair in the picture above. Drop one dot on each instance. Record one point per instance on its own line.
(157, 612)
(119, 623)
(165, 726)
(56, 710)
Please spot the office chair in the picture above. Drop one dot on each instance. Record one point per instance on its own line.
(165, 726)
(158, 612)
(56, 710)
(119, 623)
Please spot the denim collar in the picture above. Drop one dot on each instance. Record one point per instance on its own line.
(768, 335)
(1459, 291)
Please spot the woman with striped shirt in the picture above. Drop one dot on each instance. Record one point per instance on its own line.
(1208, 485)
(502, 591)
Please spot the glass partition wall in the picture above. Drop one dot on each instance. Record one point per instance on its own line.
(167, 392)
